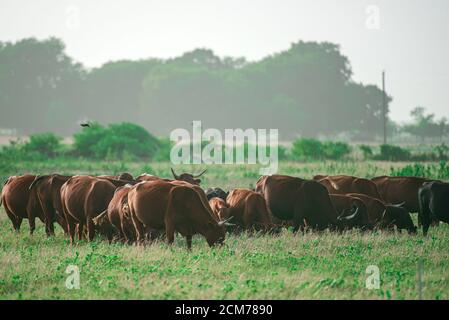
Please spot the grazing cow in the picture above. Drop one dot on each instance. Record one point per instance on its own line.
(433, 203)
(48, 188)
(306, 202)
(162, 205)
(20, 202)
(83, 198)
(348, 184)
(248, 210)
(385, 216)
(216, 192)
(400, 189)
(219, 208)
(349, 206)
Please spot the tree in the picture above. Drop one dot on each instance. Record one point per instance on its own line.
(425, 126)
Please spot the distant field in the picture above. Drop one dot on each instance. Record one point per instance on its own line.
(311, 266)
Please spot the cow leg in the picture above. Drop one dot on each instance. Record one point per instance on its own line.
(169, 231)
(32, 223)
(14, 219)
(80, 229)
(140, 230)
(71, 228)
(189, 241)
(91, 230)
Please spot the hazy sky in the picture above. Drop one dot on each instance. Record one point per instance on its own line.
(407, 38)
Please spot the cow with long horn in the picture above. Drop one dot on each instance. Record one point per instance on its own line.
(188, 177)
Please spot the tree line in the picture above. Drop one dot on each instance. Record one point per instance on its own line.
(306, 91)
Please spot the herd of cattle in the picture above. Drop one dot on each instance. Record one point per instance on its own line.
(135, 210)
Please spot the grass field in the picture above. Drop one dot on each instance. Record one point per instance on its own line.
(302, 266)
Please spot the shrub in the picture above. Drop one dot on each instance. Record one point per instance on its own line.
(312, 149)
(393, 153)
(117, 141)
(307, 149)
(46, 144)
(336, 150)
(367, 151)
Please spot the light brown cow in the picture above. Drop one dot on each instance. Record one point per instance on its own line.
(348, 184)
(219, 208)
(248, 210)
(20, 202)
(162, 205)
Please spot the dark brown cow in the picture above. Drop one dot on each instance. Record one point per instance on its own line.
(83, 198)
(219, 208)
(385, 216)
(400, 189)
(48, 188)
(348, 184)
(248, 210)
(306, 202)
(187, 177)
(20, 202)
(347, 206)
(166, 206)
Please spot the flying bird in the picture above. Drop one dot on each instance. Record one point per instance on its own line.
(85, 124)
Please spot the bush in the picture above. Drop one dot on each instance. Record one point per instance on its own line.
(336, 150)
(46, 144)
(312, 149)
(366, 151)
(307, 149)
(117, 141)
(393, 153)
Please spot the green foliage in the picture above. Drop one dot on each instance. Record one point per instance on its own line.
(312, 149)
(46, 144)
(435, 171)
(425, 126)
(367, 151)
(393, 153)
(117, 141)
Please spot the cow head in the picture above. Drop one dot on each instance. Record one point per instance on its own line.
(398, 216)
(125, 176)
(187, 177)
(216, 193)
(104, 226)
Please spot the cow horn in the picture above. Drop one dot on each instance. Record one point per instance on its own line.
(174, 174)
(96, 220)
(351, 217)
(399, 205)
(199, 175)
(226, 222)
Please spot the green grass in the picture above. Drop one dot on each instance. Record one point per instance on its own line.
(311, 266)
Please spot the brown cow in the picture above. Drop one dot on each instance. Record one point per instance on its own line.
(83, 198)
(219, 208)
(20, 202)
(166, 206)
(385, 216)
(48, 188)
(348, 206)
(400, 190)
(248, 210)
(306, 202)
(348, 184)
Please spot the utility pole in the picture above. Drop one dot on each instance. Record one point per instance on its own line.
(384, 105)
